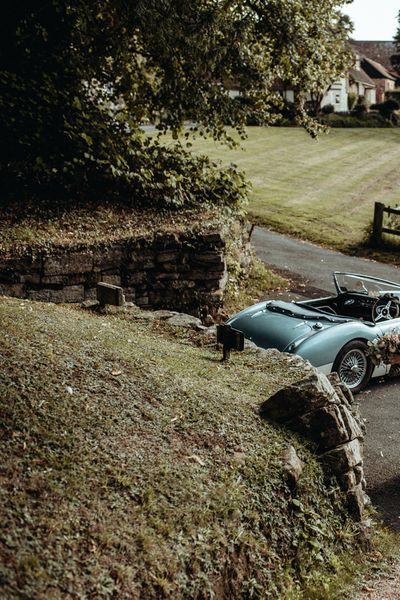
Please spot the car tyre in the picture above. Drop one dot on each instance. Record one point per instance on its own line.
(353, 365)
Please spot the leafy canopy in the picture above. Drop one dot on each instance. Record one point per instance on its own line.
(395, 59)
(79, 78)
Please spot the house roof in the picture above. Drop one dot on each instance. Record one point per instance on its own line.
(381, 72)
(361, 77)
(379, 51)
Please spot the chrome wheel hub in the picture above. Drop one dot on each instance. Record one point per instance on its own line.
(353, 368)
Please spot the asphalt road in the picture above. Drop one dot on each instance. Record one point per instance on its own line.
(310, 268)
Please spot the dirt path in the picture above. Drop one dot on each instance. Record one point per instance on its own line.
(381, 586)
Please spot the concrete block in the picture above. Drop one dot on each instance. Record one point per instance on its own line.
(110, 294)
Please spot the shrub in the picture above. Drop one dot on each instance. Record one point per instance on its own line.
(327, 109)
(365, 120)
(150, 175)
(387, 108)
(360, 108)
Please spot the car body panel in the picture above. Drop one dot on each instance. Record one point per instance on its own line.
(308, 329)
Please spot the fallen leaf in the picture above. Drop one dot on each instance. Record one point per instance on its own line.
(197, 459)
(115, 373)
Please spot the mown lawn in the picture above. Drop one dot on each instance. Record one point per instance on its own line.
(324, 190)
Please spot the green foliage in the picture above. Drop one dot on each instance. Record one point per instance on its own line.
(350, 121)
(387, 108)
(328, 109)
(78, 79)
(360, 107)
(395, 59)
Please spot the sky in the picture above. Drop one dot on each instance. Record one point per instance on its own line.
(373, 19)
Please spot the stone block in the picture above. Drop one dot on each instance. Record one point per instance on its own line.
(91, 293)
(208, 258)
(183, 320)
(167, 256)
(343, 392)
(143, 259)
(67, 294)
(356, 502)
(111, 278)
(353, 428)
(136, 277)
(21, 265)
(324, 426)
(223, 282)
(54, 280)
(109, 258)
(210, 284)
(130, 294)
(182, 284)
(168, 241)
(343, 458)
(358, 473)
(142, 301)
(347, 480)
(14, 290)
(213, 238)
(165, 298)
(73, 262)
(203, 275)
(292, 466)
(31, 277)
(170, 267)
(110, 294)
(166, 276)
(183, 267)
(306, 395)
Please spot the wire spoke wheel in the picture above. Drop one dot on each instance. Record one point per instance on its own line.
(353, 368)
(353, 365)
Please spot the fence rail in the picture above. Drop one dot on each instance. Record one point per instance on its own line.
(378, 228)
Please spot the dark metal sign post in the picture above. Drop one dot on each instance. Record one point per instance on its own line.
(230, 338)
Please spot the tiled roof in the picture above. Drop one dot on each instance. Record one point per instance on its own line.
(379, 51)
(380, 68)
(361, 77)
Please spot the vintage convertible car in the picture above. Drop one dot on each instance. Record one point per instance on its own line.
(332, 332)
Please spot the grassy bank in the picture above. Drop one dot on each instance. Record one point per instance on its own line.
(134, 465)
(324, 190)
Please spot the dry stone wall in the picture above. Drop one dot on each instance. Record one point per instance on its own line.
(322, 410)
(179, 272)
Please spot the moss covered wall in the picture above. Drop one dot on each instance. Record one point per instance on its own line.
(177, 271)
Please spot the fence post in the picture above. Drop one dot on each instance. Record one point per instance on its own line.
(378, 222)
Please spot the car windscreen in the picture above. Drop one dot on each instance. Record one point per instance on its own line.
(363, 284)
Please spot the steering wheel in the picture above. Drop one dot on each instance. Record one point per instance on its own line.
(385, 308)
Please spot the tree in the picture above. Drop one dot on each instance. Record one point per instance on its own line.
(395, 59)
(78, 79)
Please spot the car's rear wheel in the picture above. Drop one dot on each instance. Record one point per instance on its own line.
(353, 365)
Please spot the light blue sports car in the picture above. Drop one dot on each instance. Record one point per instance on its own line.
(332, 332)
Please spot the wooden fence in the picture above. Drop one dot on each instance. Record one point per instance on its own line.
(378, 228)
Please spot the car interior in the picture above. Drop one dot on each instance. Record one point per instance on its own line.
(360, 297)
(346, 304)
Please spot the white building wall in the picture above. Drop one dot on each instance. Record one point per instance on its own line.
(337, 96)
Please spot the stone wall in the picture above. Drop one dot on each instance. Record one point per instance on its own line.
(176, 271)
(322, 410)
